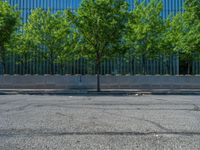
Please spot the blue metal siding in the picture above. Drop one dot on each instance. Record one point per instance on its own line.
(170, 6)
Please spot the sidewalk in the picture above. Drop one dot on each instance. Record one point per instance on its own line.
(103, 92)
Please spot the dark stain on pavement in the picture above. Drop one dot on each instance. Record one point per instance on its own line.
(48, 132)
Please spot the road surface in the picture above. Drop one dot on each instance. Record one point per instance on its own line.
(29, 122)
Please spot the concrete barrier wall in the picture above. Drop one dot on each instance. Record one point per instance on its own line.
(107, 82)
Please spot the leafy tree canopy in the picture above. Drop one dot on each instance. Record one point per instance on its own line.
(189, 42)
(184, 33)
(193, 7)
(51, 34)
(146, 28)
(9, 21)
(101, 26)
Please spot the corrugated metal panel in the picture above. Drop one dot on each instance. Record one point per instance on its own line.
(170, 6)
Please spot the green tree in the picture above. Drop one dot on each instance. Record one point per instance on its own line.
(100, 25)
(193, 7)
(171, 36)
(9, 21)
(52, 35)
(23, 46)
(190, 45)
(187, 33)
(146, 30)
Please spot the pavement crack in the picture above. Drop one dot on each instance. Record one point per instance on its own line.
(20, 108)
(51, 132)
(159, 99)
(196, 108)
(61, 114)
(141, 119)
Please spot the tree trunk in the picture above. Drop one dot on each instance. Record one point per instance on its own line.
(166, 66)
(143, 65)
(62, 67)
(2, 57)
(52, 69)
(98, 71)
(51, 63)
(188, 67)
(23, 63)
(4, 67)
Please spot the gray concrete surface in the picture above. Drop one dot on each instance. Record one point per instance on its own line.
(107, 82)
(103, 92)
(36, 122)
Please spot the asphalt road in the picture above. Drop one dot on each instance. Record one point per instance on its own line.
(99, 122)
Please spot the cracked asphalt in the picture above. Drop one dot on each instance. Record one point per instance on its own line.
(42, 122)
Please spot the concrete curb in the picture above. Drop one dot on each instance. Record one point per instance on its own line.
(112, 92)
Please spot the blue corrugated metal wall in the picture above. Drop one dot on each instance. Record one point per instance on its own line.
(170, 6)
(116, 66)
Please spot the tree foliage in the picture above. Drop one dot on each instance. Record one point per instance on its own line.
(100, 25)
(186, 29)
(193, 7)
(50, 36)
(146, 30)
(9, 21)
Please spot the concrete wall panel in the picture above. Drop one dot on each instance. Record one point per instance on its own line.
(107, 82)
